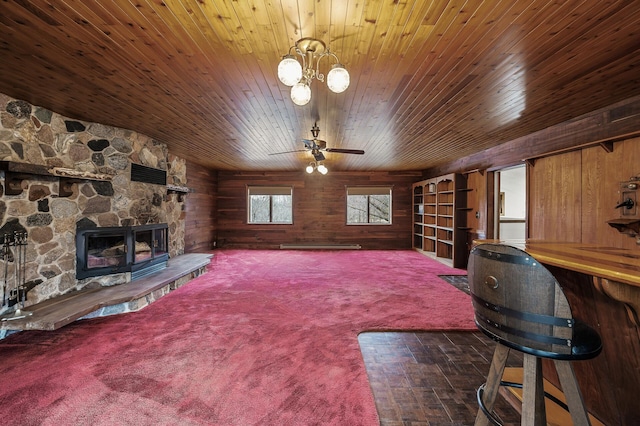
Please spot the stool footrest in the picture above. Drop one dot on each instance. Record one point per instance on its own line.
(557, 414)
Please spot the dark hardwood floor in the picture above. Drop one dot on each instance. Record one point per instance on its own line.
(430, 378)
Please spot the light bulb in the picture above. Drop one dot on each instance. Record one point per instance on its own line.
(301, 93)
(289, 70)
(322, 169)
(338, 78)
(309, 169)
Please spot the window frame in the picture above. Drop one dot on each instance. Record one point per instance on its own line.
(368, 191)
(270, 191)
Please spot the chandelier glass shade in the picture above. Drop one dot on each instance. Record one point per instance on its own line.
(289, 70)
(301, 93)
(299, 73)
(338, 78)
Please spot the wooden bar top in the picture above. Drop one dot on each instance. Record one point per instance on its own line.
(615, 264)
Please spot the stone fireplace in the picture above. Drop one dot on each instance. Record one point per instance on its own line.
(63, 179)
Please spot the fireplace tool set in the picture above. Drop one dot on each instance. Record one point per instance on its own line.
(13, 254)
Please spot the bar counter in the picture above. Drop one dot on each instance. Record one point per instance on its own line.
(602, 285)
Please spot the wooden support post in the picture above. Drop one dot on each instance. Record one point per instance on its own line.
(493, 383)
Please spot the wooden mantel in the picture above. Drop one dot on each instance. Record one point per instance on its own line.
(15, 172)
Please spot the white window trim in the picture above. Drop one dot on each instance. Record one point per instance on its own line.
(268, 190)
(369, 190)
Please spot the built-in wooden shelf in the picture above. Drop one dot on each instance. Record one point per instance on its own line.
(439, 219)
(626, 226)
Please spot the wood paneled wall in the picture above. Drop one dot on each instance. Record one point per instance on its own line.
(200, 209)
(555, 198)
(319, 210)
(602, 172)
(477, 200)
(573, 195)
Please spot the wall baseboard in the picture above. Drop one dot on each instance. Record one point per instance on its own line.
(320, 246)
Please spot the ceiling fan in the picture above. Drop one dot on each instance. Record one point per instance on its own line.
(317, 146)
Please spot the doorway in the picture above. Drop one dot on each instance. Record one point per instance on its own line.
(511, 203)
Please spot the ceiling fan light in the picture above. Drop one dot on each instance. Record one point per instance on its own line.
(338, 78)
(289, 70)
(322, 169)
(301, 94)
(309, 168)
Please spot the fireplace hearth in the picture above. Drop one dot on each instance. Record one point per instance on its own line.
(140, 250)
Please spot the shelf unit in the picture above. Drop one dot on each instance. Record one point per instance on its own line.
(439, 219)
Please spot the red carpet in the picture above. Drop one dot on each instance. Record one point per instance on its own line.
(264, 338)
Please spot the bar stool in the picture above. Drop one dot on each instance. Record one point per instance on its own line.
(519, 304)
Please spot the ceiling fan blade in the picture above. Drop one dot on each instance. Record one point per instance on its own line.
(345, 151)
(287, 152)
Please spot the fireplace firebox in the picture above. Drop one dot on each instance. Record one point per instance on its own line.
(140, 250)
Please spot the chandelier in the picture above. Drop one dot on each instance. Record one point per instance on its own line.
(299, 77)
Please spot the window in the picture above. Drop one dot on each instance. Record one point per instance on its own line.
(369, 205)
(270, 204)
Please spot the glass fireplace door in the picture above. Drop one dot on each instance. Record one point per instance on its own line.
(150, 243)
(101, 252)
(160, 242)
(143, 246)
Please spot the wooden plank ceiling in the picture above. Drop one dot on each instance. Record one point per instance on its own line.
(431, 81)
